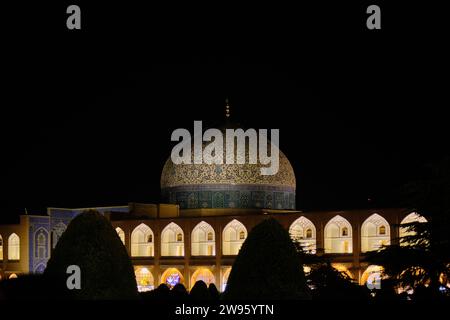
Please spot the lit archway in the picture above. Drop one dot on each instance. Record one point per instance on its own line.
(225, 277)
(172, 241)
(203, 274)
(338, 236)
(375, 232)
(343, 269)
(172, 277)
(121, 234)
(234, 235)
(144, 279)
(373, 271)
(12, 276)
(303, 231)
(13, 247)
(203, 240)
(142, 241)
(404, 231)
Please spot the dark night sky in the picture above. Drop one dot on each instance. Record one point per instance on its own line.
(87, 117)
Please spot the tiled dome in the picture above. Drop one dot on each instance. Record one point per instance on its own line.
(228, 185)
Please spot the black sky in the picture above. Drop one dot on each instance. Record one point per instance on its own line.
(87, 116)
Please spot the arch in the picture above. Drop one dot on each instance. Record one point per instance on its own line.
(303, 231)
(232, 241)
(1, 248)
(203, 240)
(12, 276)
(225, 277)
(13, 247)
(172, 241)
(404, 230)
(372, 269)
(375, 232)
(144, 279)
(121, 234)
(343, 269)
(41, 244)
(203, 274)
(142, 241)
(172, 276)
(338, 236)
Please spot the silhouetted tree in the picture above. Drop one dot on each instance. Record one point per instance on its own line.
(328, 283)
(160, 294)
(199, 292)
(424, 256)
(213, 292)
(91, 243)
(325, 281)
(179, 292)
(267, 267)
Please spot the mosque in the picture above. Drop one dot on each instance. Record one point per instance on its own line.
(206, 215)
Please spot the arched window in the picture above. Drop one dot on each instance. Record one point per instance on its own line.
(121, 234)
(203, 274)
(345, 232)
(172, 277)
(338, 236)
(172, 244)
(144, 279)
(372, 273)
(40, 243)
(13, 247)
(234, 235)
(203, 243)
(374, 233)
(140, 246)
(1, 248)
(303, 232)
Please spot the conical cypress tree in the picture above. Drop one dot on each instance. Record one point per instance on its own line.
(91, 243)
(267, 267)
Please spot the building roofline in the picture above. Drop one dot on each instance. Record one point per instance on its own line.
(87, 208)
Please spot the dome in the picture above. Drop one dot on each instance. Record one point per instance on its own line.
(228, 185)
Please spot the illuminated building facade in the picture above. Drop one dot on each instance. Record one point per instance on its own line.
(197, 232)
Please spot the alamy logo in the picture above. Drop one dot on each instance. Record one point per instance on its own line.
(74, 280)
(374, 281)
(213, 152)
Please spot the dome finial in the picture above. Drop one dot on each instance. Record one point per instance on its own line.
(227, 108)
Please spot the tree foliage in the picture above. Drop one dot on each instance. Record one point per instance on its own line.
(267, 266)
(91, 243)
(422, 256)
